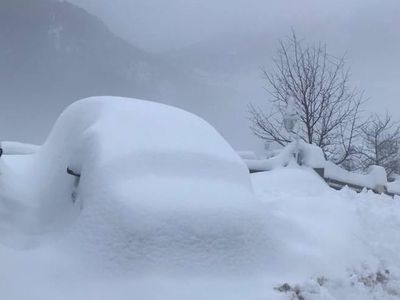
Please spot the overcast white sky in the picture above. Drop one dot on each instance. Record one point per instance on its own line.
(368, 30)
(160, 24)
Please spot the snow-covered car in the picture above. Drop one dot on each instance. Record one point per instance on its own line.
(158, 188)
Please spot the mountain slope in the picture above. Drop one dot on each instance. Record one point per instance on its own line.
(53, 53)
(49, 46)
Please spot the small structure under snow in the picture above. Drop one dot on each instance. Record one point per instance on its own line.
(159, 188)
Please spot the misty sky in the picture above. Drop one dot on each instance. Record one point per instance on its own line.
(158, 25)
(368, 30)
(227, 43)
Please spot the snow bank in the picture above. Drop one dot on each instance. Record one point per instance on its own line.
(317, 226)
(394, 187)
(160, 190)
(339, 240)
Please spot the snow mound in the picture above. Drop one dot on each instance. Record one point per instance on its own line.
(329, 235)
(159, 189)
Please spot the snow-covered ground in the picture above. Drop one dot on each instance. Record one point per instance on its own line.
(343, 240)
(165, 209)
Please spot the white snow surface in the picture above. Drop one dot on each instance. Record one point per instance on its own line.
(311, 156)
(245, 154)
(160, 190)
(167, 210)
(324, 233)
(376, 176)
(17, 148)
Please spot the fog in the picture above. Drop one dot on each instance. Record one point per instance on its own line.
(367, 30)
(204, 56)
(159, 25)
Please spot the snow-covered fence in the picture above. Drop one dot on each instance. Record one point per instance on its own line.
(282, 159)
(336, 177)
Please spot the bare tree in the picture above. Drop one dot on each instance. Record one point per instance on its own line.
(381, 144)
(329, 110)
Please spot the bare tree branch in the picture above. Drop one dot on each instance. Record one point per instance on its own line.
(318, 82)
(380, 144)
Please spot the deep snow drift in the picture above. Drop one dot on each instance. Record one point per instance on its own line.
(340, 238)
(165, 209)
